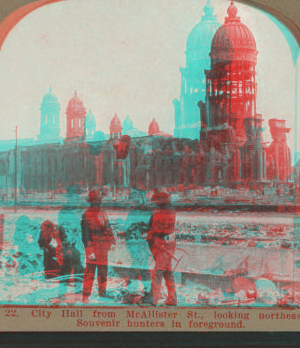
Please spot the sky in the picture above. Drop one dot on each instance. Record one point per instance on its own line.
(123, 57)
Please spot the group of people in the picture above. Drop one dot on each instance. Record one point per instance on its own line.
(62, 258)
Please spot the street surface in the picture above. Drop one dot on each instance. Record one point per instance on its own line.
(212, 249)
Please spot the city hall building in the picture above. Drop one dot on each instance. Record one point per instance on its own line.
(217, 139)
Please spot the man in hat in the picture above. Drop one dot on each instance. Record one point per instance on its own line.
(97, 238)
(162, 243)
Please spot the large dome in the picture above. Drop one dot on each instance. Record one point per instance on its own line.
(50, 97)
(233, 40)
(203, 32)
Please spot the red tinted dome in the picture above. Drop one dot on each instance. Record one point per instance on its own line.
(115, 125)
(233, 40)
(153, 127)
(75, 102)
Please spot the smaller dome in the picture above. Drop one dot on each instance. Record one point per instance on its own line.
(127, 124)
(115, 125)
(153, 128)
(50, 97)
(75, 102)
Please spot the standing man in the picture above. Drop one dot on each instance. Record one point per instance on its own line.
(97, 238)
(162, 243)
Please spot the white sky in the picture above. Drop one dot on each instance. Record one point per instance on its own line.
(123, 57)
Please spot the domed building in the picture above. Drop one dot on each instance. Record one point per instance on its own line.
(50, 112)
(129, 129)
(127, 125)
(231, 151)
(231, 128)
(75, 118)
(198, 46)
(153, 130)
(115, 127)
(231, 86)
(89, 126)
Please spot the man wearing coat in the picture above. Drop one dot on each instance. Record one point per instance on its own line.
(97, 238)
(162, 243)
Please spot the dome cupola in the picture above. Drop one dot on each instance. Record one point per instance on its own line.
(127, 124)
(75, 117)
(232, 12)
(50, 97)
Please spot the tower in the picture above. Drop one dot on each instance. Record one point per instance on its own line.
(89, 126)
(127, 125)
(153, 128)
(187, 123)
(75, 118)
(230, 84)
(115, 128)
(50, 110)
(129, 129)
(230, 125)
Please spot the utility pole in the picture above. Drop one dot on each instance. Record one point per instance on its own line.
(16, 177)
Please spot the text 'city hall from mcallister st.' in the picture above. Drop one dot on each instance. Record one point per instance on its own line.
(217, 140)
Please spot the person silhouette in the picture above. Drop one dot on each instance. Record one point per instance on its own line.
(162, 243)
(53, 255)
(71, 262)
(97, 237)
(136, 226)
